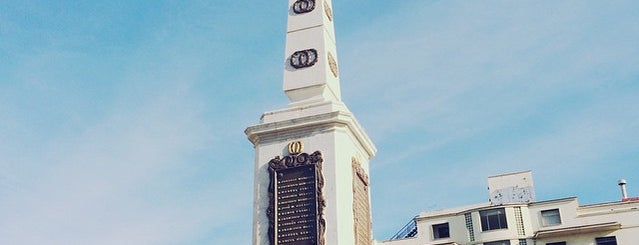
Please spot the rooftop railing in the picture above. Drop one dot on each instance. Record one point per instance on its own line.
(409, 230)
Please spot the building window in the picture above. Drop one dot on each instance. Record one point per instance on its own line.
(556, 243)
(493, 219)
(609, 240)
(506, 242)
(550, 217)
(441, 231)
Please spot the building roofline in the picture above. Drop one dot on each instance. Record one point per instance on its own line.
(602, 204)
(480, 206)
(564, 199)
(506, 174)
(588, 228)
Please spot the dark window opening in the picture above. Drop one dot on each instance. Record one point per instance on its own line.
(609, 240)
(507, 242)
(550, 217)
(441, 231)
(493, 219)
(556, 243)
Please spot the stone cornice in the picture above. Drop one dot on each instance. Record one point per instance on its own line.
(278, 129)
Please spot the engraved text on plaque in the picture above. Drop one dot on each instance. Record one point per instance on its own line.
(361, 206)
(296, 207)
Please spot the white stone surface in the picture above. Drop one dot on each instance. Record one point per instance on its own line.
(311, 30)
(319, 119)
(338, 136)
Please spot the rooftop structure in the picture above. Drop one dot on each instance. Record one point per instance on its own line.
(516, 222)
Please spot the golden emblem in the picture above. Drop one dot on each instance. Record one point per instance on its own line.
(333, 65)
(295, 147)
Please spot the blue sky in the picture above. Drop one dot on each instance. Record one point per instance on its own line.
(122, 122)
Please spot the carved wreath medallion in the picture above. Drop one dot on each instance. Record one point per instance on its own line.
(303, 6)
(304, 58)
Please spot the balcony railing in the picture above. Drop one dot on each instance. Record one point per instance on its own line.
(409, 230)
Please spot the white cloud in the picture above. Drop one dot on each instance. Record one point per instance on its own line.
(458, 90)
(116, 182)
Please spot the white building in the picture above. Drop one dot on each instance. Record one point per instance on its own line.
(513, 218)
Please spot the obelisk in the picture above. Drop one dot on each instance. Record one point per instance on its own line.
(311, 182)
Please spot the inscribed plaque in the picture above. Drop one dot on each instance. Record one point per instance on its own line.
(296, 202)
(361, 206)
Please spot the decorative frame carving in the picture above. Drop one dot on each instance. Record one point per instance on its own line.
(359, 171)
(292, 161)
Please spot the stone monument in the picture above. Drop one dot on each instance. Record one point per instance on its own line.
(312, 157)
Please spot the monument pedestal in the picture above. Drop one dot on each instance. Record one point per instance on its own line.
(345, 149)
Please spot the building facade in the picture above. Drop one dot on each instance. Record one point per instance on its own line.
(551, 222)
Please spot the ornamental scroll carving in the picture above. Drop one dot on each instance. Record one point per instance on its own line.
(296, 200)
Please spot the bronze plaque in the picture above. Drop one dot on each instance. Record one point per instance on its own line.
(296, 213)
(296, 208)
(361, 206)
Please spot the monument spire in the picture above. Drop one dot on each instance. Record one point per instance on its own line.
(312, 157)
(310, 71)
